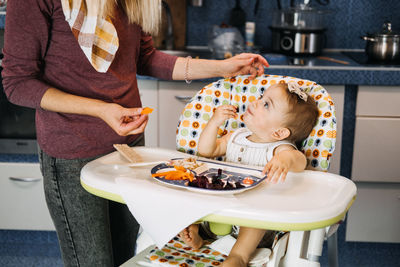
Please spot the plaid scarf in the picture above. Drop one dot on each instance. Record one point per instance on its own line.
(96, 36)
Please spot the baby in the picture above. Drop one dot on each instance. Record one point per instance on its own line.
(283, 116)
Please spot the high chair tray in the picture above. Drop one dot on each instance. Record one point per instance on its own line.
(305, 201)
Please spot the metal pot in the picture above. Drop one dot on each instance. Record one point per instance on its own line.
(383, 46)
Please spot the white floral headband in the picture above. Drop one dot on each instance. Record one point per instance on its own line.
(295, 88)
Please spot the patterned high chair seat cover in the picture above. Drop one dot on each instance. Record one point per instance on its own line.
(240, 91)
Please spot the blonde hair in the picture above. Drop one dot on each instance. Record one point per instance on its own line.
(145, 13)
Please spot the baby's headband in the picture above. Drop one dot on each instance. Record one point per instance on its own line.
(295, 88)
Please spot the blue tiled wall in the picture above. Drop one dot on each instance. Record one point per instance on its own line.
(347, 21)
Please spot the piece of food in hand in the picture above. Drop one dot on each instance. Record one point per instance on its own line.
(127, 119)
(146, 111)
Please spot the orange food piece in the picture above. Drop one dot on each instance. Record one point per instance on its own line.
(248, 180)
(147, 110)
(179, 174)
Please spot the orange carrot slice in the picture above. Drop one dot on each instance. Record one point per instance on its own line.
(147, 110)
(174, 175)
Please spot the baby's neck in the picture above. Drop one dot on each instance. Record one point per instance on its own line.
(257, 139)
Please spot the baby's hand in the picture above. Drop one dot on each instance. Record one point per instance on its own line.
(222, 113)
(276, 170)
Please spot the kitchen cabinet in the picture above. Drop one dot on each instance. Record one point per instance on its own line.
(148, 90)
(22, 201)
(173, 97)
(375, 214)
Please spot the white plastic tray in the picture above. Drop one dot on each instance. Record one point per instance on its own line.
(305, 201)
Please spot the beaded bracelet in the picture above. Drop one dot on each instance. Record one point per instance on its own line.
(186, 76)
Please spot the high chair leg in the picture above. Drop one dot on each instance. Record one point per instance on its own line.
(304, 249)
(332, 251)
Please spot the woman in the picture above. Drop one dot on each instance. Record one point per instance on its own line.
(75, 62)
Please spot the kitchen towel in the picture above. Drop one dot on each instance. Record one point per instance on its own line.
(96, 35)
(164, 211)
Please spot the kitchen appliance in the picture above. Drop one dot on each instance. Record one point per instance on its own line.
(17, 127)
(225, 41)
(383, 46)
(298, 30)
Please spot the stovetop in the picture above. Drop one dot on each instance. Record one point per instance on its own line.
(362, 59)
(344, 59)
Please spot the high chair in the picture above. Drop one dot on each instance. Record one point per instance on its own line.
(301, 248)
(306, 221)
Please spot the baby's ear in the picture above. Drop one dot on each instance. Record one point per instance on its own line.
(281, 134)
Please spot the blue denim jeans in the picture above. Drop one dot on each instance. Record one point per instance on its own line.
(92, 231)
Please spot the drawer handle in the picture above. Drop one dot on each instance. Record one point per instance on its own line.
(25, 179)
(183, 99)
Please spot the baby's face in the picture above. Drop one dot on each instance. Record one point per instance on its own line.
(267, 114)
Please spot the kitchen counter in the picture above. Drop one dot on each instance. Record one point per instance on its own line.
(328, 72)
(31, 158)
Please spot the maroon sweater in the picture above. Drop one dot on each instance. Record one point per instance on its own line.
(41, 52)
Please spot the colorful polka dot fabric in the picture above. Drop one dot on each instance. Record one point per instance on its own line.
(240, 91)
(176, 253)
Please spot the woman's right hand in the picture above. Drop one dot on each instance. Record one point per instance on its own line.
(124, 121)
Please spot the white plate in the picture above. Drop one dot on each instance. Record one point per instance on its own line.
(232, 173)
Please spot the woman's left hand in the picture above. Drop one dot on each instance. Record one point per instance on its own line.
(243, 64)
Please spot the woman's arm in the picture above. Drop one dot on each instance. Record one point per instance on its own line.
(245, 63)
(113, 114)
(285, 159)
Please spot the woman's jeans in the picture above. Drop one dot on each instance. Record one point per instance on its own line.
(92, 231)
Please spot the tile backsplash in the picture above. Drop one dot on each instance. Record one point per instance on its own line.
(345, 23)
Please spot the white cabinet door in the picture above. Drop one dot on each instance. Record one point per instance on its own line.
(173, 97)
(376, 150)
(337, 94)
(375, 214)
(22, 201)
(378, 101)
(149, 96)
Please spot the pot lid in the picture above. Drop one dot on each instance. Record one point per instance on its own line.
(386, 31)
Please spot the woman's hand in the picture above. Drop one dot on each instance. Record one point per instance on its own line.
(243, 64)
(124, 121)
(222, 113)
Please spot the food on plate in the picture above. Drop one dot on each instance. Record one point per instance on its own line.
(248, 181)
(180, 173)
(215, 182)
(147, 110)
(187, 163)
